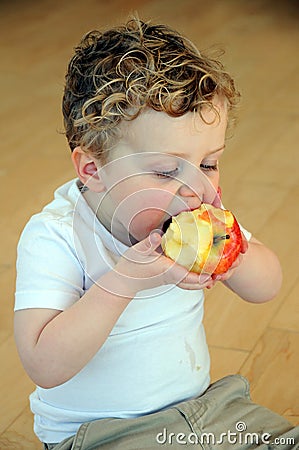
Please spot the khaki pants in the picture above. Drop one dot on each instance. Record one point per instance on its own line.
(222, 418)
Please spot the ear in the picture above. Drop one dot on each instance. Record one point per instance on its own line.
(87, 170)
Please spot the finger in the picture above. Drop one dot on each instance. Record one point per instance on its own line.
(196, 286)
(203, 278)
(236, 263)
(217, 200)
(211, 285)
(200, 279)
(191, 287)
(155, 238)
(244, 245)
(226, 275)
(149, 244)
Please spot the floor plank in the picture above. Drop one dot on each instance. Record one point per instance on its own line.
(272, 370)
(287, 316)
(259, 170)
(19, 435)
(225, 361)
(15, 385)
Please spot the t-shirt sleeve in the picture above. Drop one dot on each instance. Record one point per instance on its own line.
(246, 233)
(49, 271)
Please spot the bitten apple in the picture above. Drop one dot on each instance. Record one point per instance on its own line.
(207, 239)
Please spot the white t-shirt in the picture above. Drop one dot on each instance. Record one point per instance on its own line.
(156, 354)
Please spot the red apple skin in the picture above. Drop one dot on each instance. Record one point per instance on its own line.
(231, 250)
(227, 241)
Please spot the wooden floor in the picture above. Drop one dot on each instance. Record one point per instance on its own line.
(259, 171)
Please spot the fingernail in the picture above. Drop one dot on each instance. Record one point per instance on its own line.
(154, 237)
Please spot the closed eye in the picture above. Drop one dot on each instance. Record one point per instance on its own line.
(209, 167)
(166, 174)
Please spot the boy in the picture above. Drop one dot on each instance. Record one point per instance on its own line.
(108, 327)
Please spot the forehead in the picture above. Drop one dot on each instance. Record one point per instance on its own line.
(154, 131)
(155, 138)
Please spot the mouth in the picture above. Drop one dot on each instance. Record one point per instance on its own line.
(166, 224)
(168, 221)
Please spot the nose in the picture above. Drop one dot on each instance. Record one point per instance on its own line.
(192, 183)
(196, 190)
(187, 191)
(191, 195)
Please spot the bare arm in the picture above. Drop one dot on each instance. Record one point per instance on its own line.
(258, 277)
(55, 345)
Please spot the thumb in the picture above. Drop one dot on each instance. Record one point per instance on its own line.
(244, 245)
(150, 243)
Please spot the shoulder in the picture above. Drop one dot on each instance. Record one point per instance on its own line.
(55, 220)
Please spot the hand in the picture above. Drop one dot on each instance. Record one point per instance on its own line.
(217, 202)
(225, 276)
(144, 266)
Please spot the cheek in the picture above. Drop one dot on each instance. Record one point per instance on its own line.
(141, 198)
(144, 222)
(211, 189)
(139, 205)
(147, 213)
(214, 179)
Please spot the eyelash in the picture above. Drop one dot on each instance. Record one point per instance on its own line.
(209, 167)
(172, 173)
(165, 174)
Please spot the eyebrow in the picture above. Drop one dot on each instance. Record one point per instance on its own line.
(218, 149)
(185, 155)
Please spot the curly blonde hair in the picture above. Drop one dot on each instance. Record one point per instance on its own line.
(116, 74)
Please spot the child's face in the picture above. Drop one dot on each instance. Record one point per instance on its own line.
(161, 166)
